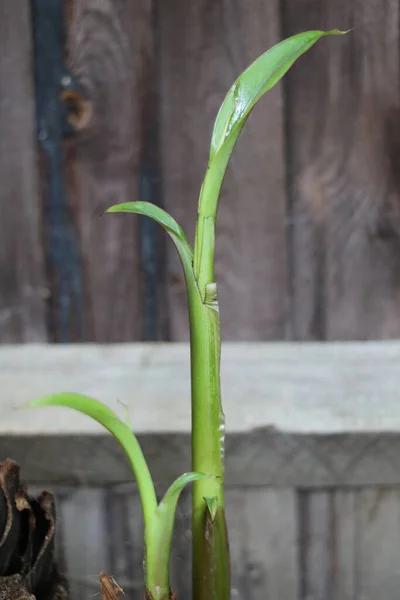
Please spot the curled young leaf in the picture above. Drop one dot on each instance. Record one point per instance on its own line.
(162, 218)
(174, 230)
(122, 433)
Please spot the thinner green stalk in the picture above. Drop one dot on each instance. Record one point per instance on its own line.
(204, 245)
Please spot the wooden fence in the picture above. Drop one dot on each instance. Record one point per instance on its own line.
(308, 231)
(313, 447)
(308, 249)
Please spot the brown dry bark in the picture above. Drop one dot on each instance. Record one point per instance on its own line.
(27, 532)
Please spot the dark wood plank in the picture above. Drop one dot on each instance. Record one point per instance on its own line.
(181, 554)
(262, 525)
(109, 42)
(378, 519)
(85, 540)
(125, 536)
(203, 48)
(315, 544)
(328, 545)
(343, 141)
(23, 292)
(344, 545)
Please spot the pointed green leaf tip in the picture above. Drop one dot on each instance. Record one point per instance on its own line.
(157, 214)
(174, 230)
(120, 430)
(257, 79)
(212, 506)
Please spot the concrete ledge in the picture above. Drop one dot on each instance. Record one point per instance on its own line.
(296, 414)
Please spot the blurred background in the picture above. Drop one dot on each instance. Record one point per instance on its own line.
(309, 220)
(109, 101)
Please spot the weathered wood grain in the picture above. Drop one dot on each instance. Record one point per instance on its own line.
(181, 559)
(263, 533)
(343, 139)
(315, 550)
(378, 551)
(23, 291)
(125, 539)
(305, 545)
(109, 42)
(203, 48)
(344, 546)
(328, 545)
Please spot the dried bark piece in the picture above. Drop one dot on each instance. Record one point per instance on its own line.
(27, 533)
(110, 590)
(10, 534)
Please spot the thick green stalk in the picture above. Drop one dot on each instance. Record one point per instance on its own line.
(208, 422)
(208, 426)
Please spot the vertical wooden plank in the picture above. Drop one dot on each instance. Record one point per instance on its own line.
(109, 41)
(315, 545)
(181, 559)
(203, 48)
(23, 292)
(344, 546)
(136, 535)
(263, 533)
(379, 544)
(86, 552)
(125, 533)
(343, 138)
(328, 545)
(235, 500)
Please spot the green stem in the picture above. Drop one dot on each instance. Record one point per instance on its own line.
(204, 244)
(208, 423)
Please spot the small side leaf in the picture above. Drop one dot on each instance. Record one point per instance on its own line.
(161, 217)
(122, 433)
(171, 227)
(158, 537)
(171, 496)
